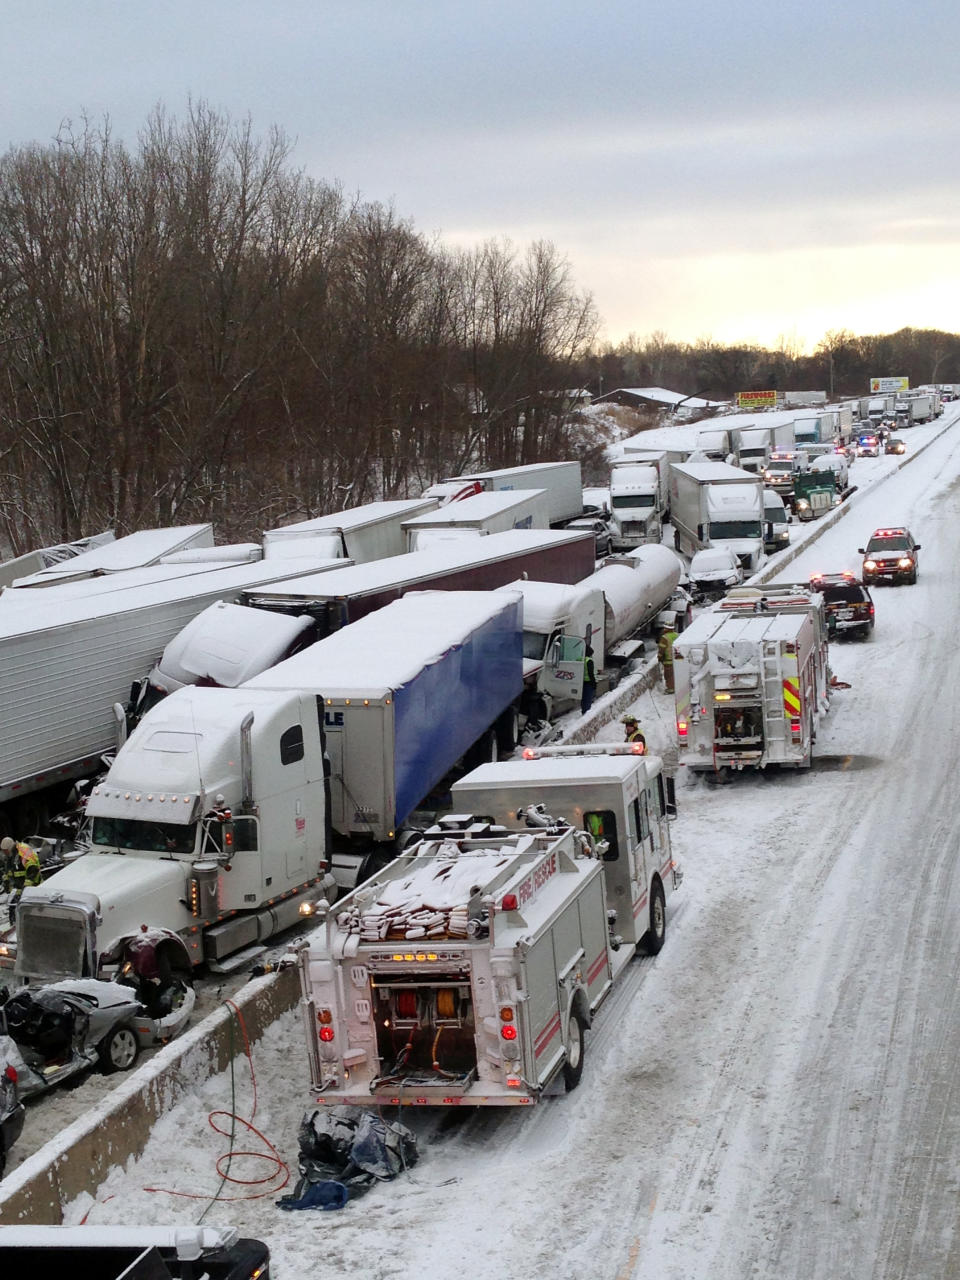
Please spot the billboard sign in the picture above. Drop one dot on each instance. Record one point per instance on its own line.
(756, 399)
(878, 386)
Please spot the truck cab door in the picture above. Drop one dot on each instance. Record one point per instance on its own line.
(562, 676)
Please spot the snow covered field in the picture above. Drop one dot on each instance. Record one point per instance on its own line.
(775, 1095)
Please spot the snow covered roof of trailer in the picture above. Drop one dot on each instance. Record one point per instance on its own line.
(477, 507)
(710, 472)
(388, 648)
(377, 575)
(131, 552)
(54, 609)
(355, 517)
(526, 470)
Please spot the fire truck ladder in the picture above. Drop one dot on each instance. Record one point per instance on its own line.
(775, 724)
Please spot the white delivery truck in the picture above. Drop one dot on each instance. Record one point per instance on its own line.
(360, 534)
(468, 971)
(608, 610)
(920, 407)
(220, 819)
(481, 513)
(881, 409)
(714, 504)
(635, 501)
(753, 445)
(560, 480)
(751, 681)
(662, 459)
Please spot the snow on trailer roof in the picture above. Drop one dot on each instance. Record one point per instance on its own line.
(355, 517)
(415, 566)
(52, 609)
(477, 507)
(714, 472)
(388, 648)
(131, 552)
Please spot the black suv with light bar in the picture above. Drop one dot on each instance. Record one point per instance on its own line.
(890, 556)
(847, 602)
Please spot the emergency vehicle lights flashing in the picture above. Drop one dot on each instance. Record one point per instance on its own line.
(721, 697)
(889, 533)
(509, 902)
(414, 955)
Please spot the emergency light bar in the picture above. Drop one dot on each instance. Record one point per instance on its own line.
(588, 749)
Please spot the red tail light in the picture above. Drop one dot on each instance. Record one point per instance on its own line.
(682, 727)
(508, 1031)
(326, 1034)
(11, 1073)
(795, 728)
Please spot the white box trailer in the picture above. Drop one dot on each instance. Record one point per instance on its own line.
(481, 513)
(361, 534)
(69, 657)
(467, 972)
(751, 681)
(561, 481)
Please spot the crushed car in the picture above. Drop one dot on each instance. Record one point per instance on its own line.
(51, 1033)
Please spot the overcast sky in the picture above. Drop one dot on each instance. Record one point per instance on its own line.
(743, 171)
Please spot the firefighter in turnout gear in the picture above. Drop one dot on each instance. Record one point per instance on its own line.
(668, 635)
(21, 865)
(632, 732)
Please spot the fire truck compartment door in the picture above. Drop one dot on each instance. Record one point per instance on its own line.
(544, 1013)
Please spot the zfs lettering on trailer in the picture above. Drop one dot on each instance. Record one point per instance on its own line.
(538, 877)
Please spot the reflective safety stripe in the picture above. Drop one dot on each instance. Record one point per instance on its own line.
(791, 698)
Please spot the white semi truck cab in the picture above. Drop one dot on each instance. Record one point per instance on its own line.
(178, 845)
(467, 972)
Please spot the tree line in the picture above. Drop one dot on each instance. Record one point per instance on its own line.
(192, 329)
(842, 364)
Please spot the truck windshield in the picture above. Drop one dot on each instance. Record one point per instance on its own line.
(720, 529)
(621, 501)
(150, 837)
(534, 645)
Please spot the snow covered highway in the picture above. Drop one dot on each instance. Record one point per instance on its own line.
(775, 1094)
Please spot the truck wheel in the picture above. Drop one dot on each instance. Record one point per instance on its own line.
(656, 935)
(508, 731)
(118, 1050)
(573, 1067)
